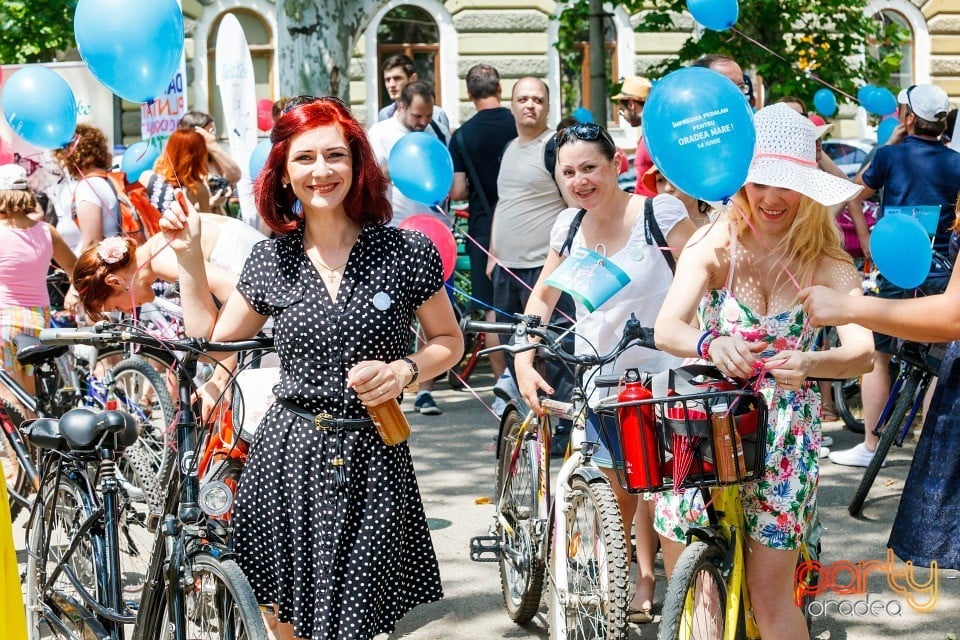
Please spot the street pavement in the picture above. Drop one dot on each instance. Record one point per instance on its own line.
(454, 458)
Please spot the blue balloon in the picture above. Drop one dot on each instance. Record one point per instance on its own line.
(258, 157)
(900, 248)
(133, 48)
(698, 127)
(885, 129)
(881, 102)
(825, 102)
(718, 15)
(40, 107)
(138, 157)
(583, 114)
(421, 167)
(865, 95)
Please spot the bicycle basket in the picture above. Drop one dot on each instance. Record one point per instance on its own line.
(697, 430)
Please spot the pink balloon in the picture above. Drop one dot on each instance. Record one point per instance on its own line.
(265, 114)
(440, 234)
(6, 157)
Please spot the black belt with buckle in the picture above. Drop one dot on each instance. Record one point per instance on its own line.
(326, 422)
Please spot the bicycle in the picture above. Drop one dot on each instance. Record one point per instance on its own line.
(577, 522)
(706, 434)
(918, 364)
(62, 382)
(460, 373)
(192, 587)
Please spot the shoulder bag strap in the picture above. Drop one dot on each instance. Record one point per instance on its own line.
(652, 231)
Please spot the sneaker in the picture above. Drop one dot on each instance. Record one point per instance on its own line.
(859, 456)
(825, 441)
(425, 405)
(505, 388)
(499, 406)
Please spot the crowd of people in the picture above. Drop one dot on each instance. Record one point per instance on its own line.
(745, 285)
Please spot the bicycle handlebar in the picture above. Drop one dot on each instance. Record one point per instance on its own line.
(107, 333)
(633, 334)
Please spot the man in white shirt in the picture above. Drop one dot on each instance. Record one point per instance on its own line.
(398, 70)
(413, 114)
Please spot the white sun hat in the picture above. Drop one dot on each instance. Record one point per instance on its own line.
(13, 177)
(785, 156)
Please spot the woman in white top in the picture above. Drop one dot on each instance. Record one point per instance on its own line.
(614, 226)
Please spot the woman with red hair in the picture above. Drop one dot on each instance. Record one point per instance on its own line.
(329, 524)
(182, 164)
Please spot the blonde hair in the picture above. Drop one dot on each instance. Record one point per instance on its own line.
(16, 202)
(812, 236)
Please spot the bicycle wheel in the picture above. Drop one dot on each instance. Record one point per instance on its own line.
(593, 602)
(846, 397)
(219, 603)
(146, 465)
(888, 434)
(522, 530)
(695, 605)
(65, 508)
(14, 474)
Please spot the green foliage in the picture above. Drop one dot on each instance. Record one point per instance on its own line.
(826, 38)
(574, 30)
(35, 31)
(831, 39)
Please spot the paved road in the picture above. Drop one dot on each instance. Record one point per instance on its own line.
(453, 455)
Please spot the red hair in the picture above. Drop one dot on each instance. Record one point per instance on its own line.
(90, 277)
(366, 202)
(184, 159)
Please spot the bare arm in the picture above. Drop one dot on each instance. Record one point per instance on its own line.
(855, 207)
(460, 189)
(62, 254)
(90, 221)
(218, 156)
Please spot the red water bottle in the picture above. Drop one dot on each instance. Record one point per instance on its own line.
(638, 433)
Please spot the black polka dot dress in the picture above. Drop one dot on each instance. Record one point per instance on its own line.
(341, 559)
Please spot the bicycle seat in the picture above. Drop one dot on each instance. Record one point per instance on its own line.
(79, 429)
(31, 351)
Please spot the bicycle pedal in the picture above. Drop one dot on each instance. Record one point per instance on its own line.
(485, 549)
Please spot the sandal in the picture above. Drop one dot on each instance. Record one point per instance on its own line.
(640, 616)
(828, 412)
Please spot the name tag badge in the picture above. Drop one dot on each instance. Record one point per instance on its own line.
(589, 277)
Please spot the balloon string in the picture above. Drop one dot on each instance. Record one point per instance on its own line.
(789, 62)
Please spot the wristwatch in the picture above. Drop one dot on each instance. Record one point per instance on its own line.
(413, 369)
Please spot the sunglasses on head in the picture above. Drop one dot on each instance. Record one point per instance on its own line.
(298, 101)
(587, 131)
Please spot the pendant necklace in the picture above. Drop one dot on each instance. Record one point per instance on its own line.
(332, 273)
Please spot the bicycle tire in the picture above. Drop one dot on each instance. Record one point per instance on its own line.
(20, 482)
(677, 621)
(149, 461)
(847, 399)
(598, 573)
(522, 564)
(889, 433)
(73, 508)
(219, 588)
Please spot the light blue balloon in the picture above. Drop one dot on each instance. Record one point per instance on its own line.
(138, 157)
(718, 15)
(885, 129)
(258, 157)
(582, 114)
(40, 107)
(825, 102)
(132, 47)
(421, 167)
(900, 248)
(698, 127)
(865, 95)
(881, 102)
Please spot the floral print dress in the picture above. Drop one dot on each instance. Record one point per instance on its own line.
(779, 505)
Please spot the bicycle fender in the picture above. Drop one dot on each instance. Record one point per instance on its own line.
(589, 474)
(512, 405)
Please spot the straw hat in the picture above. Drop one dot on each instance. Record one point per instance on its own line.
(633, 88)
(785, 156)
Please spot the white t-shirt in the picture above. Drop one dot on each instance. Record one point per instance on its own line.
(383, 135)
(650, 278)
(97, 191)
(234, 244)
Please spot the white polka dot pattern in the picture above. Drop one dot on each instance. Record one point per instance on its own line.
(340, 562)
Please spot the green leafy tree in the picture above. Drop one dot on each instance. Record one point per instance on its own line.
(829, 39)
(34, 31)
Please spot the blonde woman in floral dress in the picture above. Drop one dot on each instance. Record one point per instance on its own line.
(734, 302)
